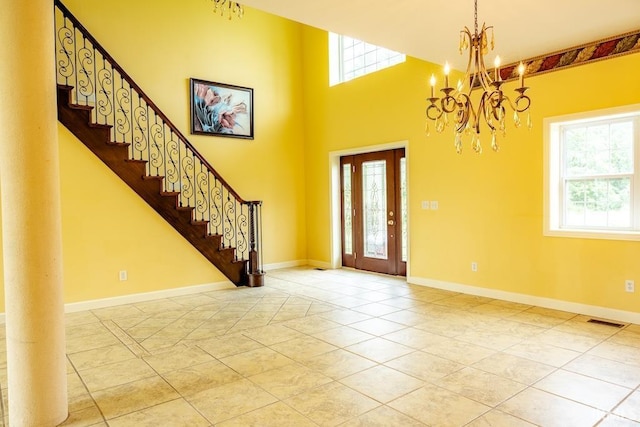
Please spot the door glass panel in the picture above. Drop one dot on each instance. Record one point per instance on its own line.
(348, 209)
(374, 195)
(403, 205)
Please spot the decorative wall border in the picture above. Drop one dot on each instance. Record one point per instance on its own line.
(623, 44)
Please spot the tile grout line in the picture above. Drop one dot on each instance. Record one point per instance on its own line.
(133, 346)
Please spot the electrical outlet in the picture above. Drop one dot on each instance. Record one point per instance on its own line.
(629, 286)
(474, 266)
(425, 205)
(122, 275)
(434, 205)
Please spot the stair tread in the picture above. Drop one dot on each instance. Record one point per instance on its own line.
(80, 107)
(118, 144)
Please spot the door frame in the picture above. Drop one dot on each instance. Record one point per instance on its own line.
(335, 203)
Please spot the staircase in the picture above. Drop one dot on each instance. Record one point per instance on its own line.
(106, 110)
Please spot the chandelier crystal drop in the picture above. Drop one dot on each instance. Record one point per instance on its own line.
(230, 7)
(491, 108)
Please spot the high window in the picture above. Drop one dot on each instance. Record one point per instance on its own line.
(592, 186)
(350, 58)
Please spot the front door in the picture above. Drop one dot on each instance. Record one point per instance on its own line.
(374, 211)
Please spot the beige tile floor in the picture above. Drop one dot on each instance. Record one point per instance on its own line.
(346, 348)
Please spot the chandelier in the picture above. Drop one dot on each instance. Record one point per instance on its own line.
(492, 103)
(231, 7)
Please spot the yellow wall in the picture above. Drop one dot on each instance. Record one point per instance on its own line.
(106, 227)
(490, 206)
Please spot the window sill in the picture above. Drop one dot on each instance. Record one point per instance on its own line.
(594, 234)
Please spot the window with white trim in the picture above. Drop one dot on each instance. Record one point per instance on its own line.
(593, 174)
(350, 58)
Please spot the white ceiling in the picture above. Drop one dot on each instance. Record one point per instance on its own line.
(429, 29)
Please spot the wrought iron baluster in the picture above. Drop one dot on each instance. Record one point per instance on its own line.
(133, 121)
(164, 156)
(103, 106)
(209, 202)
(149, 139)
(237, 227)
(94, 79)
(173, 173)
(201, 199)
(215, 216)
(75, 55)
(179, 175)
(85, 84)
(66, 64)
(223, 225)
(113, 101)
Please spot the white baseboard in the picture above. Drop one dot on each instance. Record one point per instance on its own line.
(572, 307)
(298, 263)
(140, 297)
(146, 296)
(320, 264)
(287, 264)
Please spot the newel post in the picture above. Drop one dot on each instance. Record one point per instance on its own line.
(255, 272)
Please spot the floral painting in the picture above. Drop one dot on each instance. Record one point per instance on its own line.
(220, 109)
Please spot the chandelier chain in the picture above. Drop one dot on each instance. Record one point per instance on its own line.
(475, 16)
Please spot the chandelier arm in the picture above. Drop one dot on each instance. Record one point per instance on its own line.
(448, 104)
(482, 112)
(469, 42)
(520, 104)
(495, 101)
(526, 103)
(484, 77)
(464, 112)
(430, 112)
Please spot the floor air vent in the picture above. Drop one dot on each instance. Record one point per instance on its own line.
(604, 322)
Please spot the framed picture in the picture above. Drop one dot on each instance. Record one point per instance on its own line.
(220, 109)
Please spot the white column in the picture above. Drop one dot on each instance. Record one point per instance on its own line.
(31, 225)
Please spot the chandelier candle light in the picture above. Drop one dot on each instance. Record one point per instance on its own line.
(232, 8)
(491, 108)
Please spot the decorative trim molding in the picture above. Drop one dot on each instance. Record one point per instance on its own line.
(572, 307)
(623, 44)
